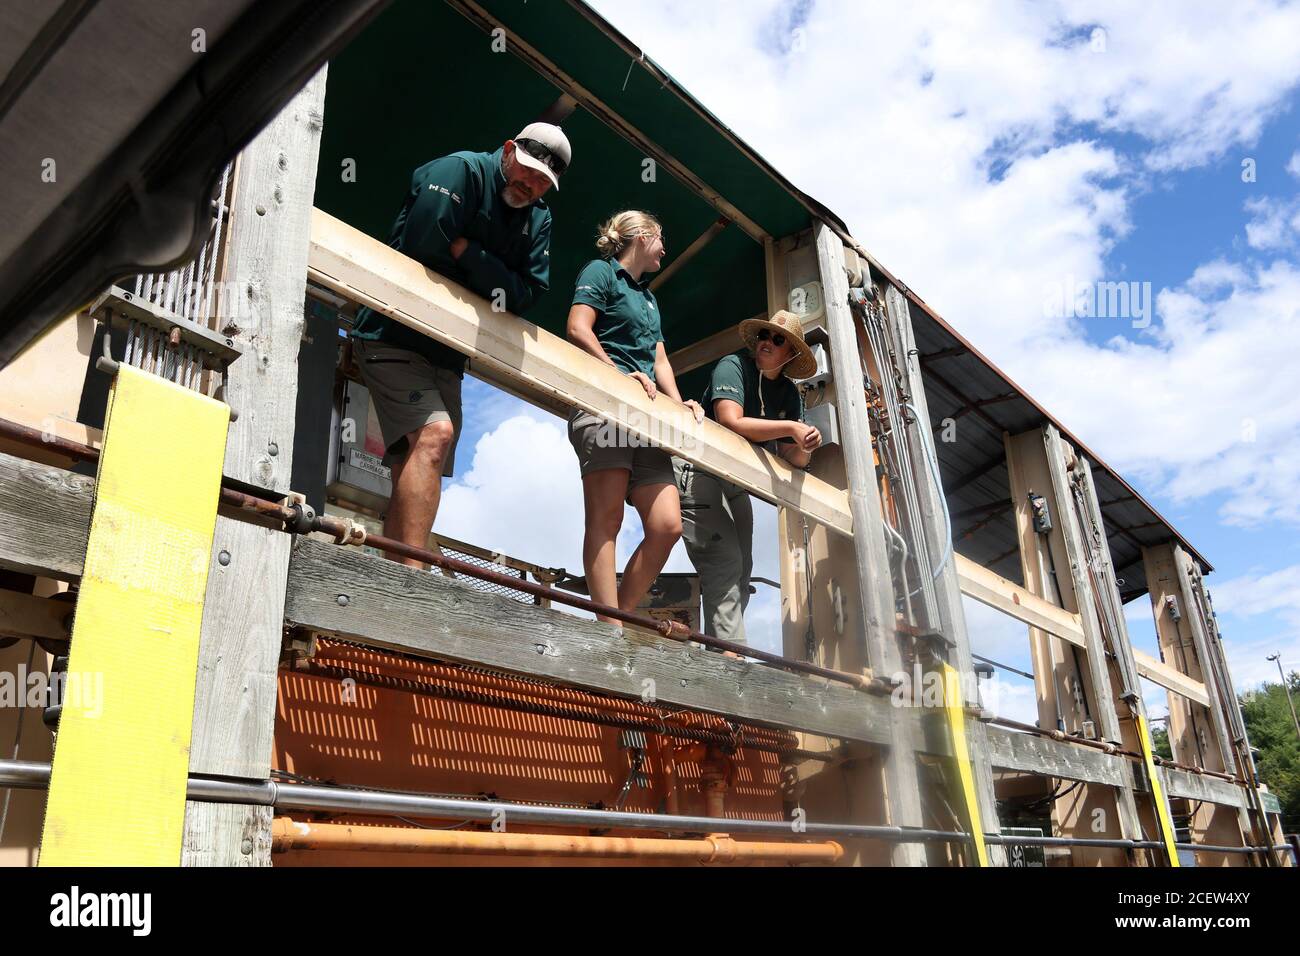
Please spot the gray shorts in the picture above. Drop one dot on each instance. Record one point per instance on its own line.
(408, 392)
(602, 446)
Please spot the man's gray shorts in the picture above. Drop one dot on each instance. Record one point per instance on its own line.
(601, 445)
(408, 392)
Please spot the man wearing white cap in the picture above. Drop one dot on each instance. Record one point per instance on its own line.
(478, 219)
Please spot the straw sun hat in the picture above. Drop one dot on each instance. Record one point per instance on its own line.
(804, 364)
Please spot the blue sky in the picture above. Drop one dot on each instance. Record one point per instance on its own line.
(986, 152)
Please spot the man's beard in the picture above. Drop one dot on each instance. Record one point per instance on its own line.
(514, 197)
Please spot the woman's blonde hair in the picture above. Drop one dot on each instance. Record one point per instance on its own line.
(621, 228)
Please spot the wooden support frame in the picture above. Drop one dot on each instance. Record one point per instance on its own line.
(873, 619)
(52, 543)
(1069, 684)
(951, 621)
(234, 710)
(708, 350)
(1198, 734)
(1011, 599)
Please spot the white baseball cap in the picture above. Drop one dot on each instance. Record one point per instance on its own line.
(544, 147)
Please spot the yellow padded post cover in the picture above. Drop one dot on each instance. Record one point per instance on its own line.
(121, 758)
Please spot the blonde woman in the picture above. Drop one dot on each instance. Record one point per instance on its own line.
(614, 316)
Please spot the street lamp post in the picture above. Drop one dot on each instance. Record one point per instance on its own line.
(1277, 659)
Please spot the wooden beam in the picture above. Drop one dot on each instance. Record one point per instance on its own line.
(689, 253)
(1170, 678)
(1011, 599)
(347, 593)
(44, 518)
(606, 114)
(319, 572)
(1030, 753)
(507, 348)
(243, 616)
(708, 350)
(1017, 602)
(1184, 785)
(1069, 685)
(1080, 587)
(25, 615)
(874, 617)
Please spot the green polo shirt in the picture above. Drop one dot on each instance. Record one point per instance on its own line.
(627, 315)
(737, 378)
(509, 249)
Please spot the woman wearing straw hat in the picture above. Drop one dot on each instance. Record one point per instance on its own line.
(754, 396)
(615, 317)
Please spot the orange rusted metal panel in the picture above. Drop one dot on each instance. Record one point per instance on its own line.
(335, 723)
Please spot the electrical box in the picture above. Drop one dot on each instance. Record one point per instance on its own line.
(357, 472)
(809, 303)
(823, 418)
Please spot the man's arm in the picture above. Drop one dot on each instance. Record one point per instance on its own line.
(487, 273)
(447, 192)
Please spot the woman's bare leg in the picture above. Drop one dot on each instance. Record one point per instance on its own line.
(603, 493)
(661, 517)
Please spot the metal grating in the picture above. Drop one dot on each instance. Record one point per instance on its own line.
(490, 587)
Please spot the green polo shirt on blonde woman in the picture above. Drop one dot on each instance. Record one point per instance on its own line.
(627, 315)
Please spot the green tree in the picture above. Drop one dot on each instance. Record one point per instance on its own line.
(1160, 742)
(1272, 732)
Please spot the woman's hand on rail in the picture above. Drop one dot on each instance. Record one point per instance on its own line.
(696, 409)
(648, 385)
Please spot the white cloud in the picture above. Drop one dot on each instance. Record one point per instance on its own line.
(1293, 166)
(1208, 405)
(1275, 223)
(522, 494)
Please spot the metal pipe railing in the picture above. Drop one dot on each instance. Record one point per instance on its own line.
(1106, 747)
(302, 521)
(289, 834)
(297, 796)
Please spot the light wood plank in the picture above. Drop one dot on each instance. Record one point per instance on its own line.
(951, 618)
(1163, 675)
(25, 615)
(527, 358)
(1011, 599)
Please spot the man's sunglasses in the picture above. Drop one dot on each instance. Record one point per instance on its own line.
(777, 339)
(543, 154)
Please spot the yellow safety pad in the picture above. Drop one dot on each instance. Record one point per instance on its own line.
(954, 706)
(1157, 793)
(121, 757)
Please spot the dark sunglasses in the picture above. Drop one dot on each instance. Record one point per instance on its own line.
(778, 339)
(543, 154)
